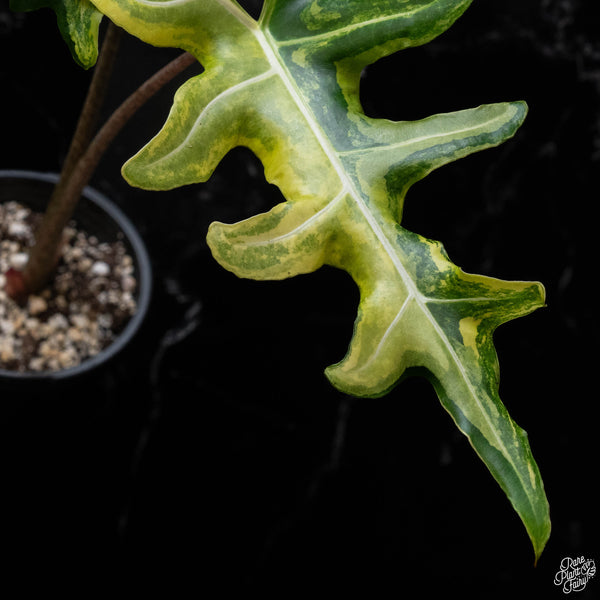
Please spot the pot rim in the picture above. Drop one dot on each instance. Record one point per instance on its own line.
(144, 278)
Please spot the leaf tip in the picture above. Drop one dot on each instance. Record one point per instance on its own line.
(521, 109)
(540, 545)
(139, 175)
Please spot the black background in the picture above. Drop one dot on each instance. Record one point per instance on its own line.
(215, 453)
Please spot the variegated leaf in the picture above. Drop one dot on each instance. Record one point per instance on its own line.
(287, 87)
(78, 21)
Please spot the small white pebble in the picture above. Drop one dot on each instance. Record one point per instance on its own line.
(76, 253)
(58, 321)
(74, 334)
(32, 327)
(61, 302)
(7, 326)
(46, 350)
(100, 268)
(18, 230)
(85, 264)
(36, 305)
(37, 364)
(80, 321)
(105, 320)
(18, 320)
(67, 358)
(128, 283)
(7, 350)
(19, 260)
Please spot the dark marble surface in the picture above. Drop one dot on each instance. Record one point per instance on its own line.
(215, 453)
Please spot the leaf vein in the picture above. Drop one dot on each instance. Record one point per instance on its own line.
(342, 30)
(417, 140)
(304, 225)
(218, 98)
(389, 330)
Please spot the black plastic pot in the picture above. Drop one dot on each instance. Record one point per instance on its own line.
(100, 217)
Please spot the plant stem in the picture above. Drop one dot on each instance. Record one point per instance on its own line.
(44, 255)
(90, 112)
(91, 157)
(41, 263)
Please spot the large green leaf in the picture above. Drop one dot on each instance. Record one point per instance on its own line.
(78, 21)
(287, 87)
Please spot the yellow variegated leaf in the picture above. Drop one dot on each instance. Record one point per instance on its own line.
(287, 87)
(78, 21)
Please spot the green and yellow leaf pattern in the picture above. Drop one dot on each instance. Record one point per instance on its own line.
(287, 88)
(78, 21)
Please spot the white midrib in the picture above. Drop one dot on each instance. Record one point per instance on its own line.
(268, 44)
(279, 67)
